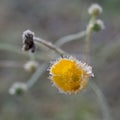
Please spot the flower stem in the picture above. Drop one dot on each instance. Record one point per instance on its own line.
(88, 37)
(70, 37)
(36, 75)
(102, 101)
(50, 45)
(97, 91)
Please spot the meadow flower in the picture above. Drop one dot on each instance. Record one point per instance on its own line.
(70, 75)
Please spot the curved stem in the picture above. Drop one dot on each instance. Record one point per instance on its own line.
(89, 31)
(36, 75)
(87, 44)
(102, 101)
(50, 45)
(97, 91)
(70, 37)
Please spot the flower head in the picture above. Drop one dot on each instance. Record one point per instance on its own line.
(95, 9)
(98, 25)
(18, 88)
(70, 75)
(31, 66)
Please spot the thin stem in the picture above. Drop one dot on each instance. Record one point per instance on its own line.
(87, 44)
(50, 45)
(36, 75)
(88, 37)
(97, 91)
(102, 101)
(69, 38)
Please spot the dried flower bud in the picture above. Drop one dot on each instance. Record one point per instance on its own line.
(31, 66)
(28, 41)
(18, 88)
(98, 25)
(95, 9)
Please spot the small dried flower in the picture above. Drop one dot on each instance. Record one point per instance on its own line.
(28, 41)
(31, 66)
(98, 25)
(95, 9)
(18, 88)
(70, 75)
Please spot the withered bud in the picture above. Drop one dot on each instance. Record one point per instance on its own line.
(28, 41)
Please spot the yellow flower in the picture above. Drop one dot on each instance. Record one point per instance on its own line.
(70, 75)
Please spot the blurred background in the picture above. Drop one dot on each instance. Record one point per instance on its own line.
(50, 20)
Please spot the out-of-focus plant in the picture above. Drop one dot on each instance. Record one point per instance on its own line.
(67, 73)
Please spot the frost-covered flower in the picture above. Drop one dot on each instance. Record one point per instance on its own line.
(70, 75)
(95, 9)
(31, 66)
(18, 88)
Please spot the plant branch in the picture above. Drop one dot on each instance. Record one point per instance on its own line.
(50, 45)
(102, 101)
(89, 31)
(36, 75)
(70, 38)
